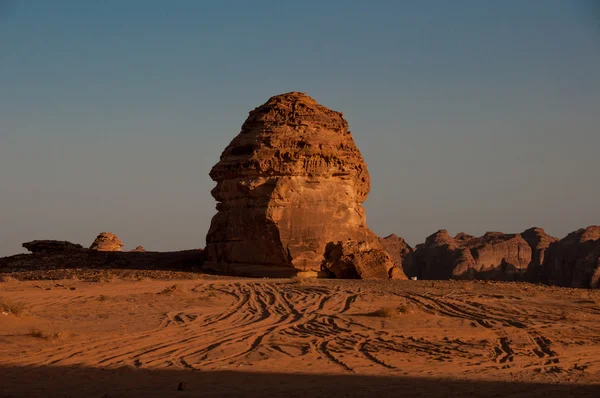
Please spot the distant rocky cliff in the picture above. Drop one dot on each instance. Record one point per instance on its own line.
(573, 261)
(532, 256)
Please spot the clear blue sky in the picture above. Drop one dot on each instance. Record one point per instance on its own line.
(472, 115)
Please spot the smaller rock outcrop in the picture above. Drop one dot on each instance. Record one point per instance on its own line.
(400, 252)
(359, 260)
(492, 256)
(50, 246)
(574, 260)
(82, 258)
(107, 242)
(139, 249)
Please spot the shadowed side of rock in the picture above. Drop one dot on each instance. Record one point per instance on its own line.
(574, 261)
(56, 255)
(539, 241)
(494, 256)
(401, 254)
(532, 255)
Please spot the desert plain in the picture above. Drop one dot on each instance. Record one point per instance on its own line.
(163, 334)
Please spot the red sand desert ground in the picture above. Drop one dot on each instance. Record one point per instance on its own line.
(217, 336)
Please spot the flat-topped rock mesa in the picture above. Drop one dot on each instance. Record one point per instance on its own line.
(494, 255)
(51, 246)
(291, 182)
(574, 261)
(401, 253)
(107, 242)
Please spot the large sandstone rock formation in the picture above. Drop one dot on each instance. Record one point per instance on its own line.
(493, 256)
(401, 253)
(290, 183)
(574, 260)
(107, 242)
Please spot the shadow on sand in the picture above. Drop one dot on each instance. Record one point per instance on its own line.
(84, 259)
(132, 382)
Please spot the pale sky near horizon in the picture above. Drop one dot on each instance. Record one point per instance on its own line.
(472, 116)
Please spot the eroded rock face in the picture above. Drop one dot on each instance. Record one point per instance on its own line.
(107, 242)
(539, 241)
(400, 252)
(50, 246)
(359, 260)
(440, 256)
(574, 260)
(291, 182)
(492, 256)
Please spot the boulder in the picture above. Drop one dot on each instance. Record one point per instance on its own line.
(359, 260)
(291, 182)
(107, 242)
(139, 249)
(50, 246)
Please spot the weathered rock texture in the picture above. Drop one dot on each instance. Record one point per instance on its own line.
(291, 182)
(401, 253)
(107, 242)
(574, 260)
(358, 260)
(539, 241)
(50, 246)
(493, 256)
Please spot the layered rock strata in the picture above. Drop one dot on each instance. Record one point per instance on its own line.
(107, 242)
(58, 258)
(290, 183)
(539, 241)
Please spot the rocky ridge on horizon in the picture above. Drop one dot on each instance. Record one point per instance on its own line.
(532, 256)
(573, 261)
